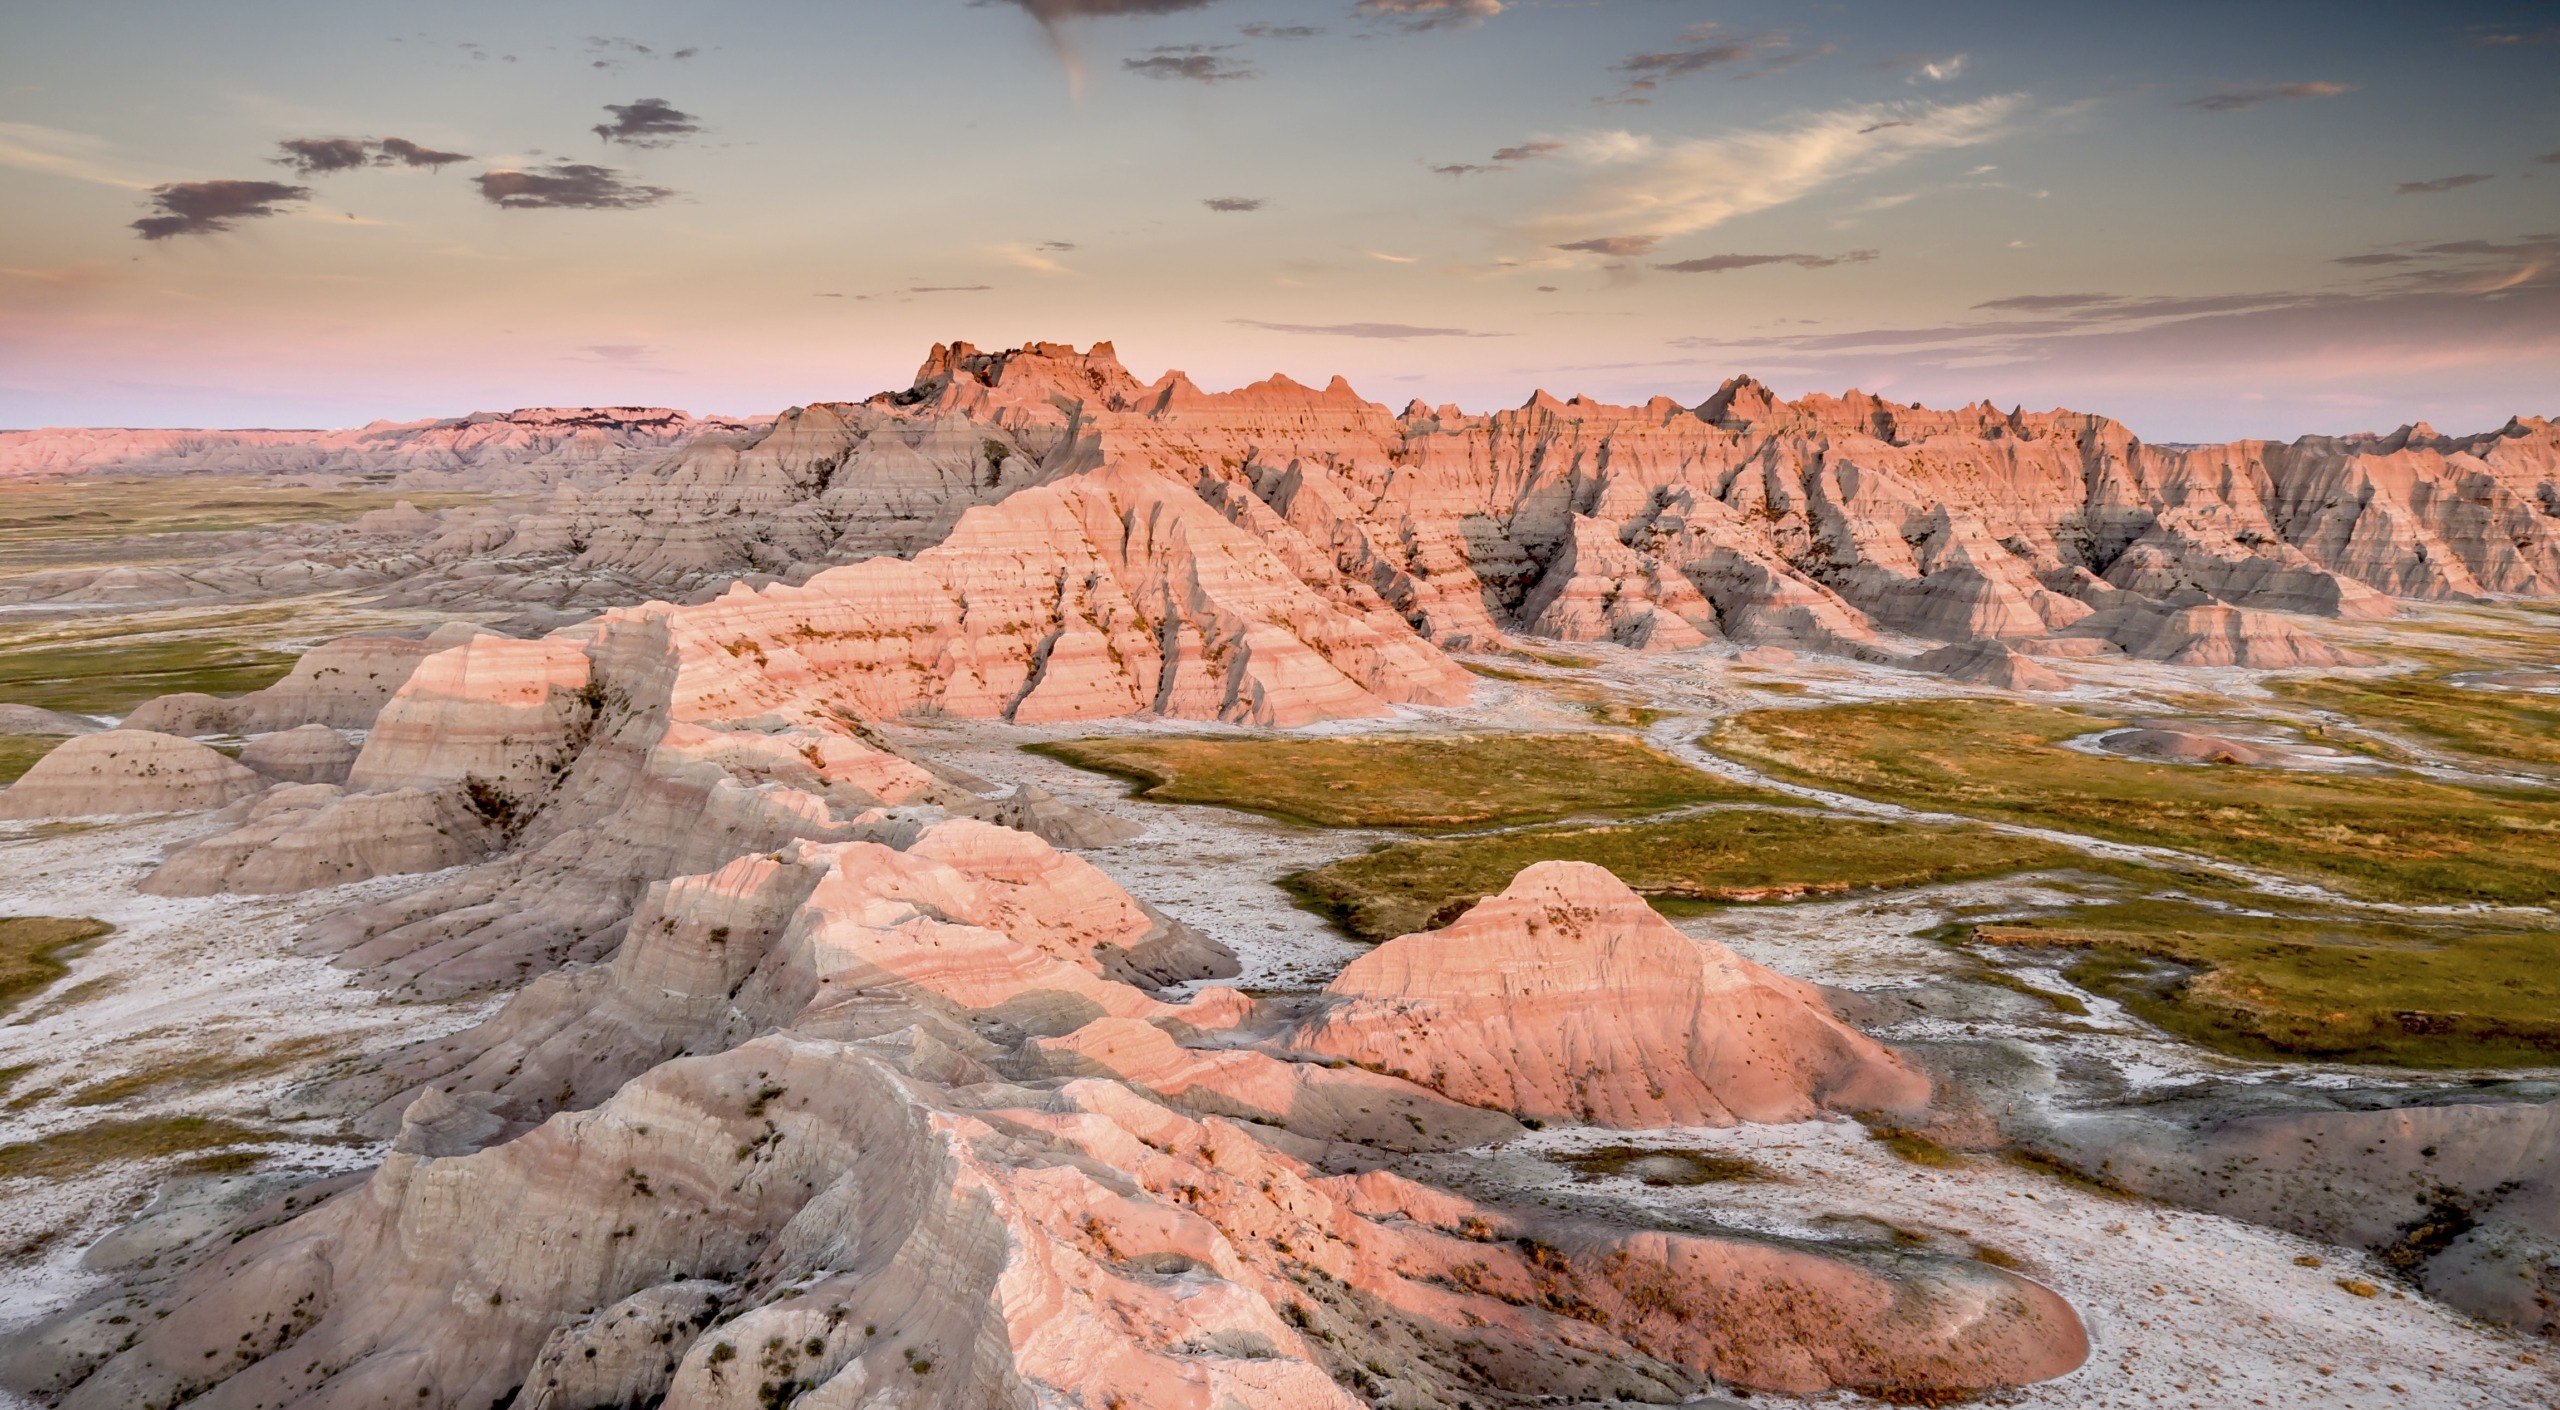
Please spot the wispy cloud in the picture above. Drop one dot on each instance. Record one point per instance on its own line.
(1261, 30)
(1718, 264)
(1235, 205)
(1364, 330)
(1615, 246)
(2235, 100)
(1504, 159)
(209, 207)
(567, 186)
(1642, 186)
(320, 156)
(1419, 15)
(408, 153)
(646, 122)
(29, 146)
(1915, 68)
(2442, 184)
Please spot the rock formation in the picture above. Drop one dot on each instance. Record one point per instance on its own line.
(484, 448)
(1567, 998)
(127, 771)
(342, 684)
(303, 754)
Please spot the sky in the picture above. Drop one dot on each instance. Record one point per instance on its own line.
(2206, 220)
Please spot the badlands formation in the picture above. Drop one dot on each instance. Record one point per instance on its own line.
(793, 1059)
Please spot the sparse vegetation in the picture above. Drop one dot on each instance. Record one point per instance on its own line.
(2321, 984)
(2389, 837)
(197, 1071)
(66, 1155)
(19, 753)
(32, 950)
(2500, 726)
(115, 676)
(86, 519)
(1422, 782)
(1726, 856)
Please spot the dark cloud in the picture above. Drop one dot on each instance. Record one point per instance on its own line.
(1881, 126)
(1052, 11)
(1260, 30)
(1619, 245)
(404, 152)
(2233, 100)
(2378, 257)
(2442, 184)
(1706, 47)
(1364, 330)
(205, 207)
(1197, 63)
(646, 122)
(1235, 205)
(567, 186)
(1419, 15)
(1503, 160)
(1718, 264)
(1061, 246)
(2549, 159)
(313, 156)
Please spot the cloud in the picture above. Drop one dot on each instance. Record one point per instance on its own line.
(1260, 30)
(2235, 100)
(1392, 259)
(313, 156)
(1419, 15)
(28, 146)
(1705, 47)
(1937, 68)
(1620, 246)
(646, 122)
(2442, 184)
(2378, 257)
(319, 156)
(618, 354)
(1235, 205)
(2047, 303)
(1197, 63)
(949, 288)
(567, 186)
(2549, 159)
(205, 207)
(408, 153)
(1718, 264)
(1503, 160)
(1052, 11)
(1644, 187)
(1364, 330)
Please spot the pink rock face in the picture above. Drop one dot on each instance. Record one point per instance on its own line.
(503, 711)
(1567, 998)
(1113, 593)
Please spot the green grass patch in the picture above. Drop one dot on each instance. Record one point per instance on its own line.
(69, 1154)
(2386, 837)
(111, 678)
(32, 951)
(2334, 986)
(2509, 726)
(1499, 673)
(19, 752)
(1424, 782)
(1732, 855)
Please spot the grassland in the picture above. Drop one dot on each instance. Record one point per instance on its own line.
(1730, 855)
(201, 1070)
(2383, 837)
(2314, 984)
(2487, 725)
(1420, 782)
(32, 950)
(112, 677)
(19, 752)
(56, 523)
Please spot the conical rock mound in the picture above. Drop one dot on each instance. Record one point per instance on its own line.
(127, 771)
(1567, 998)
